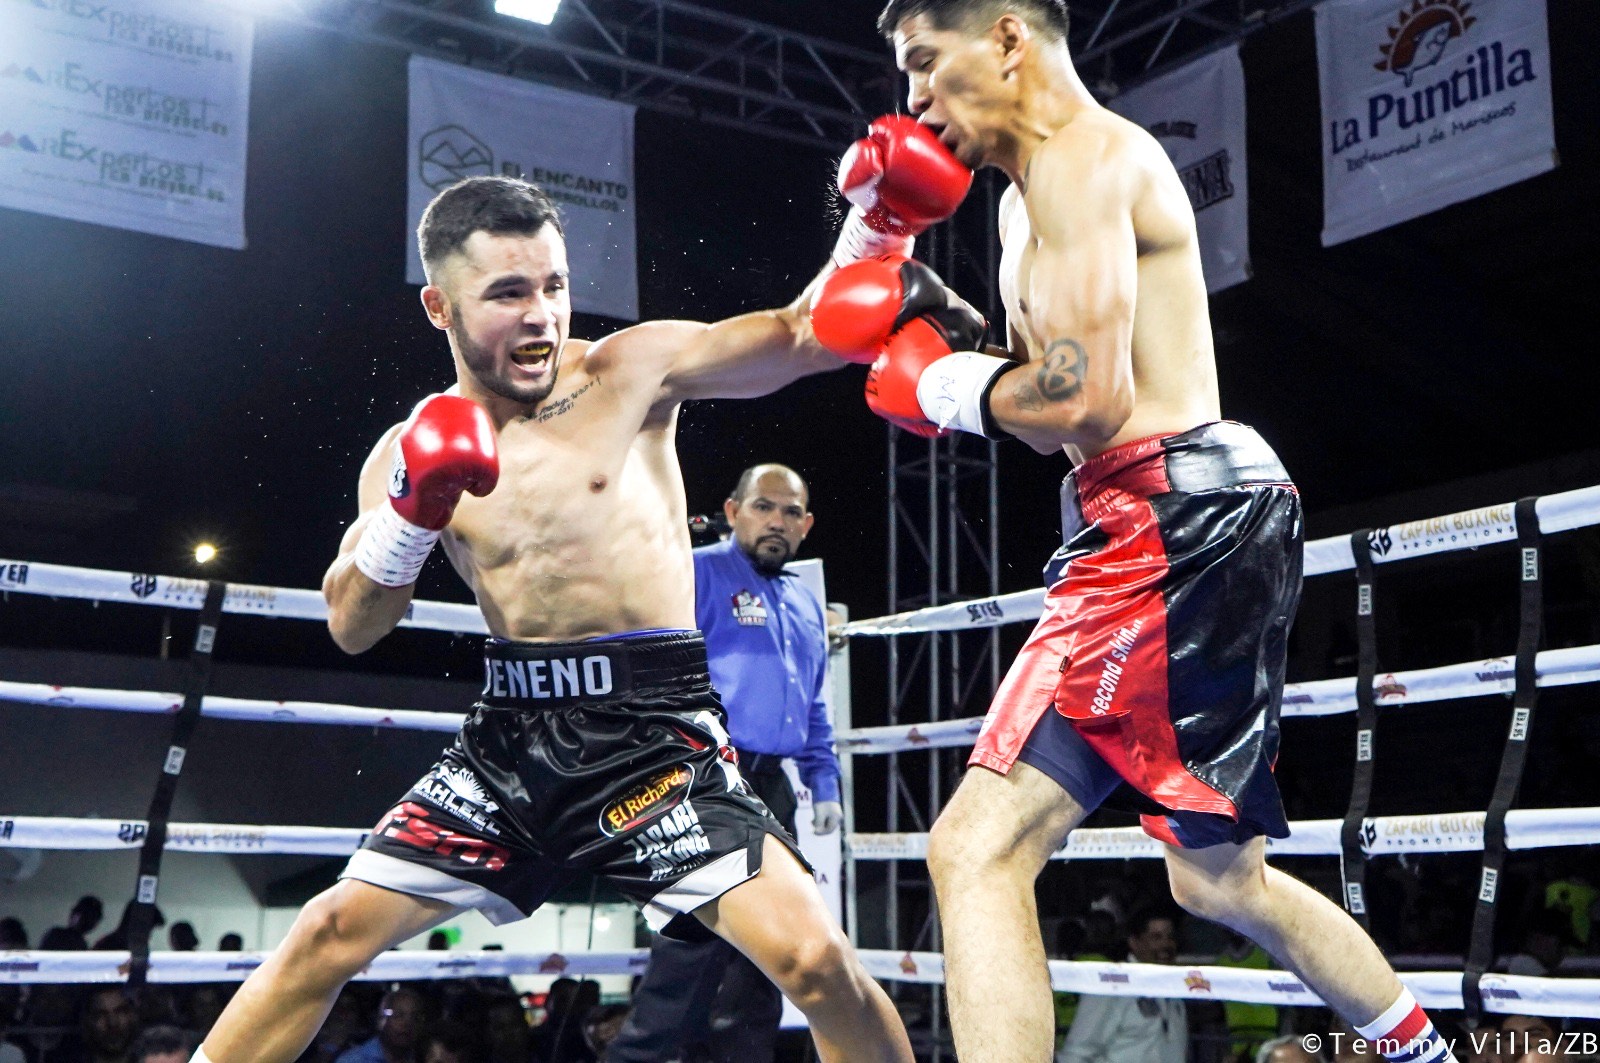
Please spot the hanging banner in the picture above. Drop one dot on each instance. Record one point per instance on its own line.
(128, 113)
(1426, 103)
(1197, 114)
(578, 149)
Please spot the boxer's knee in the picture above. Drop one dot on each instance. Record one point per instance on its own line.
(815, 970)
(330, 942)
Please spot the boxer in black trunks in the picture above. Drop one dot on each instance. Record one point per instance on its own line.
(549, 472)
(1158, 662)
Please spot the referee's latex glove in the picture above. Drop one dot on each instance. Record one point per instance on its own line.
(826, 817)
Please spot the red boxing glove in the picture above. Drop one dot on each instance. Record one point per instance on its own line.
(448, 446)
(901, 180)
(861, 305)
(930, 379)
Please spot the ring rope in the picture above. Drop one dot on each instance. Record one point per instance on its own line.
(1466, 530)
(1575, 997)
(1323, 697)
(1439, 832)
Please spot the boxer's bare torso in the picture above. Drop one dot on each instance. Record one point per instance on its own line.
(586, 532)
(1103, 169)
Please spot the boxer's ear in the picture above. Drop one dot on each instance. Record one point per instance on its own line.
(437, 304)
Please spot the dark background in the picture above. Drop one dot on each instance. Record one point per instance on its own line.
(158, 392)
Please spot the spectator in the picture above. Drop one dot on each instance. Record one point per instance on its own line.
(1530, 1038)
(1133, 1029)
(508, 1033)
(1484, 1046)
(81, 922)
(182, 938)
(1249, 1025)
(10, 999)
(13, 935)
(451, 1043)
(230, 942)
(601, 1026)
(118, 938)
(400, 1023)
(163, 1044)
(203, 1003)
(341, 1029)
(106, 1028)
(1544, 944)
(1289, 1049)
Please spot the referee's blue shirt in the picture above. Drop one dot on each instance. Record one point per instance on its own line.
(767, 639)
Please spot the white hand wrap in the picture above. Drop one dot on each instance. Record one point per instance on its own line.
(858, 240)
(954, 391)
(392, 550)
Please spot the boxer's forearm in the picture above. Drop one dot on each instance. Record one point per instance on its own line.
(1060, 400)
(360, 611)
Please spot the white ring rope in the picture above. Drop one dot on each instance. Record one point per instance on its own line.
(1577, 997)
(1466, 530)
(1440, 832)
(223, 708)
(1436, 832)
(1324, 697)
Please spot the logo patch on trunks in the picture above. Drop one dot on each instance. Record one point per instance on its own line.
(1111, 667)
(749, 610)
(458, 791)
(647, 800)
(408, 823)
(674, 844)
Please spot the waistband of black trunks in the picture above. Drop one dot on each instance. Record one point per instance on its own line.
(1207, 457)
(532, 676)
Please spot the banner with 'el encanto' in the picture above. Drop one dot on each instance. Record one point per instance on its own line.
(1426, 103)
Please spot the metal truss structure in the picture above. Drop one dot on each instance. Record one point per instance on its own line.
(662, 55)
(944, 546)
(1119, 43)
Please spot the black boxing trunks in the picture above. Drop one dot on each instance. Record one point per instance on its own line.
(606, 756)
(1161, 650)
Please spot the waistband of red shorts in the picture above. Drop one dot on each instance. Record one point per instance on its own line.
(1209, 456)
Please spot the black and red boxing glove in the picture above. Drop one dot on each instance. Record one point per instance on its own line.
(861, 305)
(930, 377)
(447, 447)
(899, 179)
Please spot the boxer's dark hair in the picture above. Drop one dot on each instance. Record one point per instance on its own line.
(500, 206)
(1046, 16)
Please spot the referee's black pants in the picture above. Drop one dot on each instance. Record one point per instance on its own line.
(703, 1000)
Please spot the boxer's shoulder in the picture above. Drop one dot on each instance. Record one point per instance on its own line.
(646, 349)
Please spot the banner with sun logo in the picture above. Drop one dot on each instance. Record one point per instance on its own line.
(1426, 103)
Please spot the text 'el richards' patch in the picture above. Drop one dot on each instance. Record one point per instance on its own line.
(647, 800)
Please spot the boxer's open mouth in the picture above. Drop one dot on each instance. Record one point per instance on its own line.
(533, 354)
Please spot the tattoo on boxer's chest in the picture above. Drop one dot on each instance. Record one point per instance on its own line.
(560, 406)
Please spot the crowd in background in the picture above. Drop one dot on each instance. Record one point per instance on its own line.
(486, 1020)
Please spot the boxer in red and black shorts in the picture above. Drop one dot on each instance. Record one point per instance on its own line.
(1159, 660)
(1158, 664)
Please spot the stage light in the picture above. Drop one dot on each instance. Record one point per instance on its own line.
(204, 553)
(540, 11)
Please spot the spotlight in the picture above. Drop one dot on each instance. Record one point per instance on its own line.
(204, 553)
(540, 11)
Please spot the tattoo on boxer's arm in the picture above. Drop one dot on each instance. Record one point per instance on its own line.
(1061, 377)
(1027, 397)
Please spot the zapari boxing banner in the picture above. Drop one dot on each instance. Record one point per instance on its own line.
(1426, 103)
(579, 149)
(128, 113)
(1197, 114)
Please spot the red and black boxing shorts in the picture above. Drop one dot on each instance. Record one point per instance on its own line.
(604, 757)
(1154, 678)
